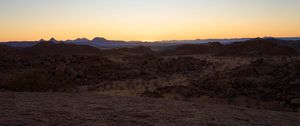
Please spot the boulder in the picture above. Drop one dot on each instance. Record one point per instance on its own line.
(295, 101)
(230, 92)
(295, 82)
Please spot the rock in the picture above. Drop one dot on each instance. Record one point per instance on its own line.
(265, 90)
(289, 97)
(295, 82)
(2, 90)
(230, 92)
(295, 101)
(282, 103)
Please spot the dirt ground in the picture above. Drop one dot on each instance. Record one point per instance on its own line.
(89, 109)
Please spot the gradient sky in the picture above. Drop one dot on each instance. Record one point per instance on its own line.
(148, 19)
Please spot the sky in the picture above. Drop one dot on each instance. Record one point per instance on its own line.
(148, 20)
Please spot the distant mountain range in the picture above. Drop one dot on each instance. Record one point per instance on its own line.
(251, 47)
(104, 43)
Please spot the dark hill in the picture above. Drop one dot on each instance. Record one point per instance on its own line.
(253, 47)
(61, 48)
(7, 50)
(138, 50)
(190, 49)
(257, 47)
(295, 44)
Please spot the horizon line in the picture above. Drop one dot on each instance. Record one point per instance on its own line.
(147, 40)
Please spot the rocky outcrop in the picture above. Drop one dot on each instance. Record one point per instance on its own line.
(61, 67)
(49, 48)
(253, 47)
(257, 47)
(262, 79)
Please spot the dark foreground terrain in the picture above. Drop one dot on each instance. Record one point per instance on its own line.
(90, 109)
(198, 84)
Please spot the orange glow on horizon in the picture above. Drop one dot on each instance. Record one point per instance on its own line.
(148, 20)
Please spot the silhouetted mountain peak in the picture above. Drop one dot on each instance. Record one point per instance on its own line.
(44, 43)
(81, 40)
(265, 39)
(99, 39)
(42, 40)
(53, 40)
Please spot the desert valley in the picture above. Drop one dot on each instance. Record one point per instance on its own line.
(196, 83)
(149, 63)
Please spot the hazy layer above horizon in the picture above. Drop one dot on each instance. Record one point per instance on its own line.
(148, 19)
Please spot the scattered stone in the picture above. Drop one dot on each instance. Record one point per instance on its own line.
(295, 101)
(2, 90)
(230, 92)
(296, 82)
(282, 103)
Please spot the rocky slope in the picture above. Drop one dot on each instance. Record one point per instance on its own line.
(252, 47)
(61, 109)
(265, 81)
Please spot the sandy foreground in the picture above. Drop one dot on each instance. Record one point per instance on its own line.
(90, 109)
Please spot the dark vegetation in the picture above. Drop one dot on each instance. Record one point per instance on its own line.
(258, 69)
